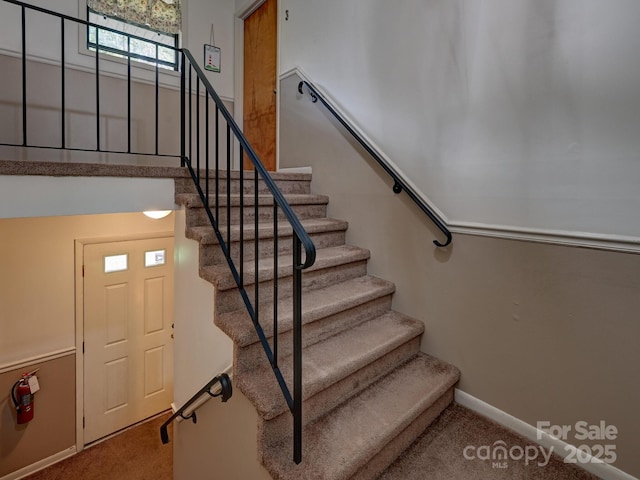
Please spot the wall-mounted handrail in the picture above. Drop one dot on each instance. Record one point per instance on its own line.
(399, 184)
(226, 391)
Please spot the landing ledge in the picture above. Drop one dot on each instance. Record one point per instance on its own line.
(58, 169)
(71, 169)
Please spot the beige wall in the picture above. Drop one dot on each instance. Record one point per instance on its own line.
(38, 317)
(37, 280)
(52, 429)
(541, 332)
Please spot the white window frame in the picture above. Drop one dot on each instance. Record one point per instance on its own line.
(116, 66)
(138, 31)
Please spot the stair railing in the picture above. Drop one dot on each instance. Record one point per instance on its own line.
(98, 55)
(193, 140)
(399, 183)
(225, 392)
(201, 171)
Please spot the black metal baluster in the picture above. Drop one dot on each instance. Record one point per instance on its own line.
(183, 84)
(228, 189)
(198, 128)
(157, 99)
(190, 117)
(128, 94)
(275, 284)
(24, 77)
(206, 143)
(62, 97)
(297, 350)
(217, 165)
(97, 89)
(256, 244)
(242, 221)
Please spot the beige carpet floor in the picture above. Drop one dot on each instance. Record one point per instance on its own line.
(138, 454)
(439, 454)
(134, 454)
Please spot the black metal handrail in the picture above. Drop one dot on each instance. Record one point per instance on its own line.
(191, 134)
(300, 236)
(399, 184)
(226, 391)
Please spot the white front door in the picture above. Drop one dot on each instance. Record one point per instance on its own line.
(128, 319)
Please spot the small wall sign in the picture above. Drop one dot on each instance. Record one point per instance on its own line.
(212, 58)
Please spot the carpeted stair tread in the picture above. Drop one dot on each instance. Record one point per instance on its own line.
(331, 360)
(221, 277)
(339, 444)
(248, 175)
(368, 391)
(206, 236)
(319, 303)
(287, 183)
(192, 200)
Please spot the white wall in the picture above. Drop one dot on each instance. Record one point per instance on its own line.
(201, 350)
(34, 196)
(522, 113)
(224, 439)
(200, 15)
(43, 37)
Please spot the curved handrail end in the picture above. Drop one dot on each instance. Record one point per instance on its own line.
(164, 435)
(226, 389)
(447, 242)
(314, 97)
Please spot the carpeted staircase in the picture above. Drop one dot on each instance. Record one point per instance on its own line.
(368, 390)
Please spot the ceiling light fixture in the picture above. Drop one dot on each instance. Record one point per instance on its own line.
(157, 214)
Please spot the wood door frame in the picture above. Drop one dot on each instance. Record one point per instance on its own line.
(246, 9)
(79, 316)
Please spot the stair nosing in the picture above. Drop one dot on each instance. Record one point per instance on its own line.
(206, 235)
(192, 200)
(432, 394)
(309, 315)
(223, 280)
(341, 367)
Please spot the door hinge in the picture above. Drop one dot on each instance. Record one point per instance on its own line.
(84, 423)
(82, 347)
(83, 271)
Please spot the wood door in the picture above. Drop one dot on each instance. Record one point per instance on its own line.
(260, 82)
(128, 320)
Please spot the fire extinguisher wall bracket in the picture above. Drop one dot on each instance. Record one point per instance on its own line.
(13, 395)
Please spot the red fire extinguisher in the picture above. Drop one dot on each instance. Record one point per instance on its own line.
(23, 399)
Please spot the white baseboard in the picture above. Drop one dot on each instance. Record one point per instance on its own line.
(40, 465)
(563, 449)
